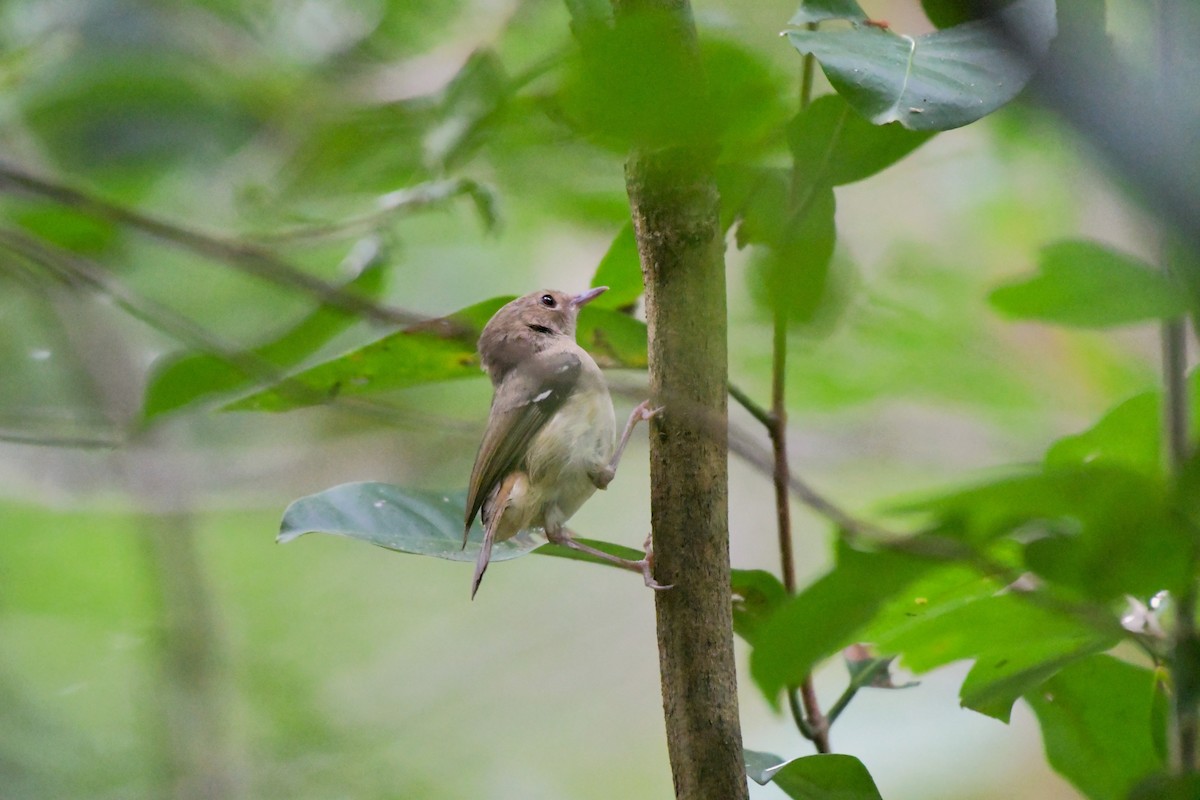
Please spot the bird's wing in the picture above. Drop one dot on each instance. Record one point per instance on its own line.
(525, 400)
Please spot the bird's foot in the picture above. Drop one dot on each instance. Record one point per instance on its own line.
(647, 563)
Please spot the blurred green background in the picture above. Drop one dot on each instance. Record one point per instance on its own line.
(155, 642)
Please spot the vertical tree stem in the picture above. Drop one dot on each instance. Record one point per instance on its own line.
(674, 207)
(674, 204)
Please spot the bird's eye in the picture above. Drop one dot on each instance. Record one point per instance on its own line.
(548, 301)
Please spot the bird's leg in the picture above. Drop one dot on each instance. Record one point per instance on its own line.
(603, 476)
(644, 567)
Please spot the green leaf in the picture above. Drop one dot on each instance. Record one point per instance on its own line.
(621, 271)
(614, 339)
(179, 380)
(1088, 285)
(405, 520)
(937, 81)
(828, 615)
(437, 350)
(953, 613)
(820, 777)
(1128, 435)
(833, 145)
(1095, 717)
(1100, 530)
(756, 595)
(1000, 676)
(792, 271)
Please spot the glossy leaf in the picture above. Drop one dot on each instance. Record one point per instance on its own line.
(828, 615)
(832, 144)
(438, 350)
(936, 81)
(1087, 285)
(405, 520)
(820, 777)
(1095, 717)
(179, 380)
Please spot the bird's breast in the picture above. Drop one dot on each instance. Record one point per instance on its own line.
(577, 440)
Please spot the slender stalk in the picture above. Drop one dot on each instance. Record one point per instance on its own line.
(811, 723)
(1185, 642)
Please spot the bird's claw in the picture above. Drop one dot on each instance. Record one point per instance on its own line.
(647, 563)
(645, 413)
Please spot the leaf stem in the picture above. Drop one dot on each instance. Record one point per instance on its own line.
(860, 679)
(1185, 643)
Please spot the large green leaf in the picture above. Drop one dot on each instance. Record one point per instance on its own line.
(438, 350)
(180, 380)
(828, 615)
(831, 144)
(405, 520)
(937, 81)
(431, 523)
(1088, 285)
(830, 776)
(1095, 717)
(627, 88)
(953, 613)
(1101, 530)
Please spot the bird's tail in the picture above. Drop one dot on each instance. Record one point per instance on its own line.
(485, 555)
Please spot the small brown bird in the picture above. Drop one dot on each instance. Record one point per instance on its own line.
(549, 442)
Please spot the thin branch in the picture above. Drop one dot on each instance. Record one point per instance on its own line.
(745, 401)
(248, 258)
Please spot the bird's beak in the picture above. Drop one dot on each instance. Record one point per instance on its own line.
(580, 300)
